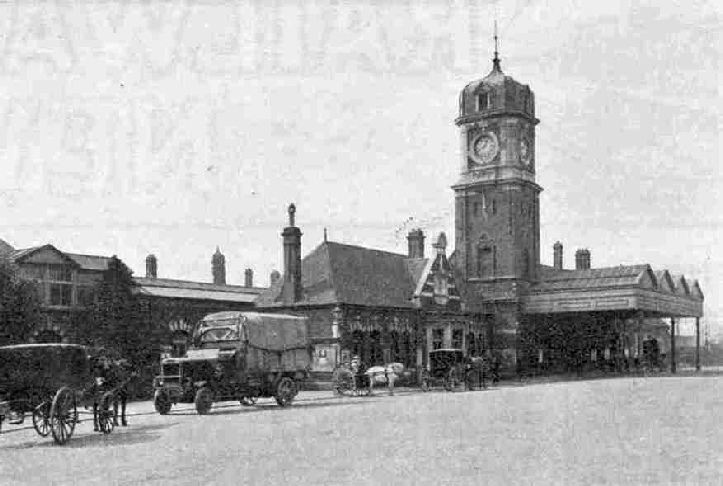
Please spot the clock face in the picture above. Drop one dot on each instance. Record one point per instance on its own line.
(525, 152)
(486, 147)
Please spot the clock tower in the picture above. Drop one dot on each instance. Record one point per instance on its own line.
(497, 215)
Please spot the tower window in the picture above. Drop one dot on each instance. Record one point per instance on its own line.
(483, 101)
(485, 261)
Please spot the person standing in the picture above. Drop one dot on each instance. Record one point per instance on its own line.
(391, 378)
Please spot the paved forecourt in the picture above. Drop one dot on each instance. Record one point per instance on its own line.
(621, 431)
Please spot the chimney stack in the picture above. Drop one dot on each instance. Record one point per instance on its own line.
(582, 259)
(151, 266)
(292, 290)
(415, 238)
(441, 245)
(557, 255)
(248, 278)
(218, 268)
(275, 275)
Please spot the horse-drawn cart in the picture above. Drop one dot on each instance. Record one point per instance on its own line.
(446, 367)
(347, 382)
(50, 381)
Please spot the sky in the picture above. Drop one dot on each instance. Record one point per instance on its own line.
(172, 128)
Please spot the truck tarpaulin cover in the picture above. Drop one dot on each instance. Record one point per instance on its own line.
(272, 332)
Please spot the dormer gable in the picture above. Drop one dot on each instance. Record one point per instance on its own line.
(646, 279)
(695, 291)
(665, 282)
(437, 287)
(681, 286)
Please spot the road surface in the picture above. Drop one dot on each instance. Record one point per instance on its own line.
(656, 430)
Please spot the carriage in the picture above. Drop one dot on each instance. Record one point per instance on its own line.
(447, 367)
(347, 382)
(49, 382)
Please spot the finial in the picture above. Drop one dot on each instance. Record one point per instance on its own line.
(496, 59)
(325, 235)
(292, 211)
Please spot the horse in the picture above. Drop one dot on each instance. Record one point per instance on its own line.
(112, 377)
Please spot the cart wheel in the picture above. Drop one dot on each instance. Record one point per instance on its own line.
(162, 402)
(63, 415)
(451, 382)
(203, 401)
(285, 391)
(248, 401)
(41, 418)
(105, 414)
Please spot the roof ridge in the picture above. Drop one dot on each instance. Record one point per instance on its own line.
(365, 248)
(86, 255)
(157, 279)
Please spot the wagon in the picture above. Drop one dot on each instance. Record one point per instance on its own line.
(446, 368)
(345, 381)
(48, 382)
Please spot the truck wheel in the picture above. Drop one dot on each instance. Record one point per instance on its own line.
(285, 391)
(162, 402)
(203, 401)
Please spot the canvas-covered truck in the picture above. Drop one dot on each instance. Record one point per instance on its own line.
(237, 356)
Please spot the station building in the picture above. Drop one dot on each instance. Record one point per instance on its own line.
(491, 292)
(66, 283)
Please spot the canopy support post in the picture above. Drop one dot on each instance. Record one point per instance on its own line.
(697, 344)
(672, 344)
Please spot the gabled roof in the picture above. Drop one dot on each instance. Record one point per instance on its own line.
(5, 248)
(19, 255)
(335, 273)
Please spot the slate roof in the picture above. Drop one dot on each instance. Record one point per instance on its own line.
(335, 273)
(610, 277)
(85, 262)
(90, 262)
(184, 289)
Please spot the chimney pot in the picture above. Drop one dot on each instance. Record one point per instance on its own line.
(557, 255)
(151, 266)
(218, 267)
(415, 240)
(582, 259)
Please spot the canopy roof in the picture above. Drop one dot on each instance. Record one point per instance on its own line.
(621, 288)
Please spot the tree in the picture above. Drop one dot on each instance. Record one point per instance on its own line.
(19, 306)
(114, 321)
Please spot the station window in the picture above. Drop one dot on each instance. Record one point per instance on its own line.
(457, 338)
(471, 344)
(437, 338)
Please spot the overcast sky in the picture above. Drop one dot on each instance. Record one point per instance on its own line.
(138, 127)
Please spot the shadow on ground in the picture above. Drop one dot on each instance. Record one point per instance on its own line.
(120, 436)
(267, 407)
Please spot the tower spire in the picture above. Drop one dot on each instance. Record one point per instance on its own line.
(496, 59)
